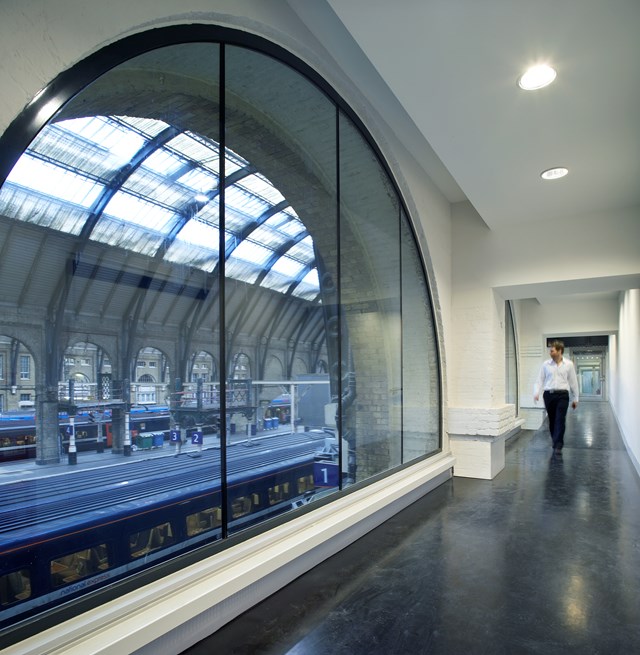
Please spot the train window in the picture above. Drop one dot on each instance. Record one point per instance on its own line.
(203, 521)
(278, 493)
(146, 541)
(243, 505)
(305, 483)
(81, 564)
(15, 586)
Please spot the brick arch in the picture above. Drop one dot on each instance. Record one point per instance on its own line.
(29, 337)
(151, 343)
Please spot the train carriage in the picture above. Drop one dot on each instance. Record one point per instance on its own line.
(18, 430)
(47, 560)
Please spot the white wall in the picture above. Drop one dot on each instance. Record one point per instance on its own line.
(624, 388)
(530, 328)
(574, 316)
(558, 317)
(555, 317)
(522, 262)
(585, 248)
(553, 261)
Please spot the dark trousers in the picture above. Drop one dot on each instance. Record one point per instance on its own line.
(557, 404)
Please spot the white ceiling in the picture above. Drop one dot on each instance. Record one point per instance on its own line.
(453, 66)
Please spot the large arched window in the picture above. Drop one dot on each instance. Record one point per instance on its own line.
(203, 190)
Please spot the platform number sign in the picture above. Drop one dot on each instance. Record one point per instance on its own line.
(175, 436)
(326, 474)
(196, 437)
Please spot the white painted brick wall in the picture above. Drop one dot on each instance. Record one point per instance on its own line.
(481, 421)
(477, 365)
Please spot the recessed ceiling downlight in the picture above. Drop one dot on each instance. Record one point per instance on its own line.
(554, 173)
(537, 77)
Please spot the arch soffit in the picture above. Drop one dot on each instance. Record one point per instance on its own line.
(31, 338)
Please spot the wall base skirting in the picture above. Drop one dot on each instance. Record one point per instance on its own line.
(171, 614)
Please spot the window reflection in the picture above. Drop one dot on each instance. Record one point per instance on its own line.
(81, 564)
(511, 358)
(146, 541)
(370, 303)
(15, 586)
(204, 520)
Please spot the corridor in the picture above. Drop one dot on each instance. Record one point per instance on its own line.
(543, 559)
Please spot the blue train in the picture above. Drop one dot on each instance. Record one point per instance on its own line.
(18, 430)
(50, 551)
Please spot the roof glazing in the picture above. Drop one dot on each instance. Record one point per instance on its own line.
(142, 185)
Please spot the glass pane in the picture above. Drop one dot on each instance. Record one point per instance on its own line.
(113, 232)
(204, 521)
(147, 541)
(511, 358)
(15, 586)
(370, 296)
(129, 282)
(420, 377)
(284, 127)
(81, 564)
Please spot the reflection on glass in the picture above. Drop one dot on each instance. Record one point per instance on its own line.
(14, 587)
(420, 377)
(146, 541)
(286, 124)
(511, 358)
(81, 564)
(203, 521)
(371, 358)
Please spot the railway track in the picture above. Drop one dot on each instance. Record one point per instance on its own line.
(36, 501)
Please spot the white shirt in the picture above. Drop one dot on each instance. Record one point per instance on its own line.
(558, 377)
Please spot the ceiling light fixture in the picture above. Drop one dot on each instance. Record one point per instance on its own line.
(554, 173)
(537, 77)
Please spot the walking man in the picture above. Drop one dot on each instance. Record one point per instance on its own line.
(558, 383)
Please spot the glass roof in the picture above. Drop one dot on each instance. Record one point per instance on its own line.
(144, 186)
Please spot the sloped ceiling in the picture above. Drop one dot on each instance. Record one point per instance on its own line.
(453, 67)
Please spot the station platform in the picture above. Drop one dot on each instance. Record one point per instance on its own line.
(545, 558)
(27, 469)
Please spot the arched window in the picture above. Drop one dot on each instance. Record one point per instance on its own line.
(241, 367)
(215, 195)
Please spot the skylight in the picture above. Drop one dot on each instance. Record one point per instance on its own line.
(49, 179)
(116, 139)
(262, 188)
(130, 209)
(199, 180)
(159, 195)
(249, 251)
(287, 266)
(164, 161)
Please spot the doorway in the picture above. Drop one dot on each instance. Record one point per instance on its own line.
(590, 369)
(589, 356)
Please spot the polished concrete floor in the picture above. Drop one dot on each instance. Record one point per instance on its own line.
(543, 559)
